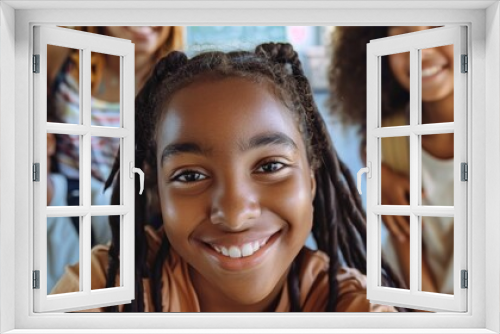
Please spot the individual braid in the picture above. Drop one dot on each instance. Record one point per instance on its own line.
(156, 277)
(114, 249)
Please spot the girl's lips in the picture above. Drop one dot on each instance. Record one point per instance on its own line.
(238, 264)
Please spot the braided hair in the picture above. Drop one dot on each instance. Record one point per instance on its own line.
(338, 213)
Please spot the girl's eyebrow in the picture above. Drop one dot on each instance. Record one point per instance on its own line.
(273, 138)
(266, 139)
(175, 149)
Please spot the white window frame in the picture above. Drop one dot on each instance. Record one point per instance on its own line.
(414, 43)
(483, 21)
(86, 43)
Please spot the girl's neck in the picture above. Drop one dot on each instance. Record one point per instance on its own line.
(143, 65)
(438, 111)
(211, 299)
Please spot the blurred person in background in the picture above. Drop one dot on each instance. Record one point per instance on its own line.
(63, 84)
(348, 100)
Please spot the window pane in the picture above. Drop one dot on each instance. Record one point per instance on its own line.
(395, 241)
(437, 169)
(105, 88)
(63, 248)
(63, 85)
(395, 77)
(104, 151)
(104, 253)
(437, 254)
(395, 171)
(437, 84)
(63, 170)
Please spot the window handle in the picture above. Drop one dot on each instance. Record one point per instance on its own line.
(368, 171)
(133, 170)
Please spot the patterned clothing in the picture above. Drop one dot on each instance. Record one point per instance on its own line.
(103, 149)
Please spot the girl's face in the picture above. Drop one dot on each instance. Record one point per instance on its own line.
(235, 187)
(437, 68)
(146, 39)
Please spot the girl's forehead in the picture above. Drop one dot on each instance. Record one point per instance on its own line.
(224, 109)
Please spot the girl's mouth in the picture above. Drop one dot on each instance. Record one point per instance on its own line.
(431, 71)
(243, 256)
(244, 250)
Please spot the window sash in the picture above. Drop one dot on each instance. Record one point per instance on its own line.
(413, 43)
(86, 43)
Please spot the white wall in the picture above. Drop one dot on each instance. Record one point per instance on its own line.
(7, 159)
(492, 150)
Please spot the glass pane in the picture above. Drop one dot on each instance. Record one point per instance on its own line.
(63, 85)
(437, 169)
(105, 88)
(63, 170)
(101, 230)
(395, 89)
(395, 171)
(437, 84)
(104, 151)
(395, 241)
(63, 249)
(108, 252)
(437, 254)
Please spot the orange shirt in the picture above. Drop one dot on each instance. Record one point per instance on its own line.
(178, 294)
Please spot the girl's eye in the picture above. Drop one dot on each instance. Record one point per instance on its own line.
(189, 176)
(271, 167)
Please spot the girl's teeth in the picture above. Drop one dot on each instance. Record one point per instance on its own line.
(430, 71)
(236, 252)
(255, 246)
(247, 250)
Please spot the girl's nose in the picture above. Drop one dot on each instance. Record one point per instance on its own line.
(234, 206)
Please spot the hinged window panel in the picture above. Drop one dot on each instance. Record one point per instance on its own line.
(81, 132)
(422, 214)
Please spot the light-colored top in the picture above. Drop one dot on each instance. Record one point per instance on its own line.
(437, 181)
(437, 232)
(179, 295)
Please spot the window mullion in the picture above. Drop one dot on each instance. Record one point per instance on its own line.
(414, 170)
(85, 156)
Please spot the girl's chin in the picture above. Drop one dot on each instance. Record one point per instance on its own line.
(435, 96)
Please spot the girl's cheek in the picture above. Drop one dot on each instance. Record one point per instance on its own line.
(293, 200)
(399, 66)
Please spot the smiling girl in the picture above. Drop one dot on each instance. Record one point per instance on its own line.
(348, 100)
(245, 171)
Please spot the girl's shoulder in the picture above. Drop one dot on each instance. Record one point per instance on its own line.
(70, 281)
(351, 296)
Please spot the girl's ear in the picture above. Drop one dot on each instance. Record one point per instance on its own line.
(313, 185)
